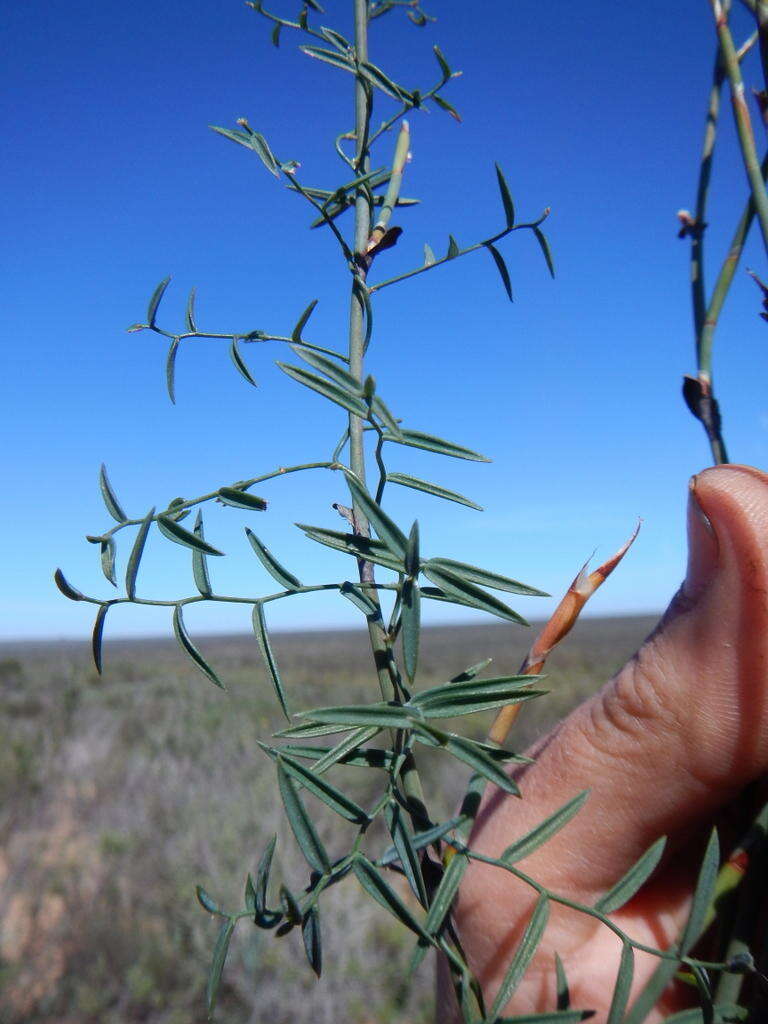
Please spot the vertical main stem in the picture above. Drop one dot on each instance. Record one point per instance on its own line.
(742, 118)
(376, 629)
(381, 644)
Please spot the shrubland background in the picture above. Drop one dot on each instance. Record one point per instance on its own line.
(118, 794)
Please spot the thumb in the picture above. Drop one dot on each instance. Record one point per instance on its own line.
(664, 745)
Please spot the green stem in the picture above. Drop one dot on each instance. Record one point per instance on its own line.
(762, 34)
(742, 118)
(723, 283)
(278, 596)
(705, 173)
(380, 643)
(462, 252)
(242, 485)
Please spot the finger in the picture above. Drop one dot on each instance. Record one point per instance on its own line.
(670, 740)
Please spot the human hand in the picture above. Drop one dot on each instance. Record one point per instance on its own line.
(665, 748)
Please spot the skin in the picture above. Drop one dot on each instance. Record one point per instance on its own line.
(665, 748)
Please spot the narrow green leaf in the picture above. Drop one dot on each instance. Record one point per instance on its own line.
(276, 34)
(175, 511)
(506, 198)
(472, 754)
(472, 671)
(108, 559)
(501, 266)
(467, 593)
(98, 632)
(274, 568)
(563, 991)
(242, 138)
(702, 897)
(466, 705)
(523, 955)
(310, 933)
(361, 547)
(389, 533)
(386, 417)
(622, 987)
(364, 298)
(381, 715)
(154, 302)
(377, 77)
(411, 623)
(217, 964)
(311, 729)
(180, 535)
(134, 559)
(704, 989)
(260, 146)
(541, 238)
(412, 553)
(262, 636)
(331, 368)
(296, 335)
(344, 748)
(446, 106)
(336, 39)
(323, 790)
(444, 66)
(372, 881)
(555, 1017)
(497, 686)
(262, 877)
(406, 851)
(170, 370)
(190, 315)
(417, 439)
(356, 756)
(199, 561)
(446, 893)
(359, 598)
(453, 248)
(631, 882)
(429, 256)
(331, 57)
(429, 488)
(237, 358)
(422, 839)
(206, 901)
(236, 498)
(250, 895)
(183, 637)
(290, 905)
(113, 505)
(300, 822)
(484, 578)
(328, 389)
(544, 831)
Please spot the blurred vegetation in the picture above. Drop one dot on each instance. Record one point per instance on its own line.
(120, 793)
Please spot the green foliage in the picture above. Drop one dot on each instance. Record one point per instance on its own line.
(432, 854)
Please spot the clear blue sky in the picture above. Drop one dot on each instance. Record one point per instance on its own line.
(111, 180)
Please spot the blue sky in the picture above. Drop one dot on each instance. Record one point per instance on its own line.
(111, 180)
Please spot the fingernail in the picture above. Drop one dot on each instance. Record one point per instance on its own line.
(703, 547)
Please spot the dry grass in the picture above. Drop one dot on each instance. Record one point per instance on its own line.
(120, 793)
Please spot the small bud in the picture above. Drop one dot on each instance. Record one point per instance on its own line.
(369, 388)
(742, 963)
(689, 225)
